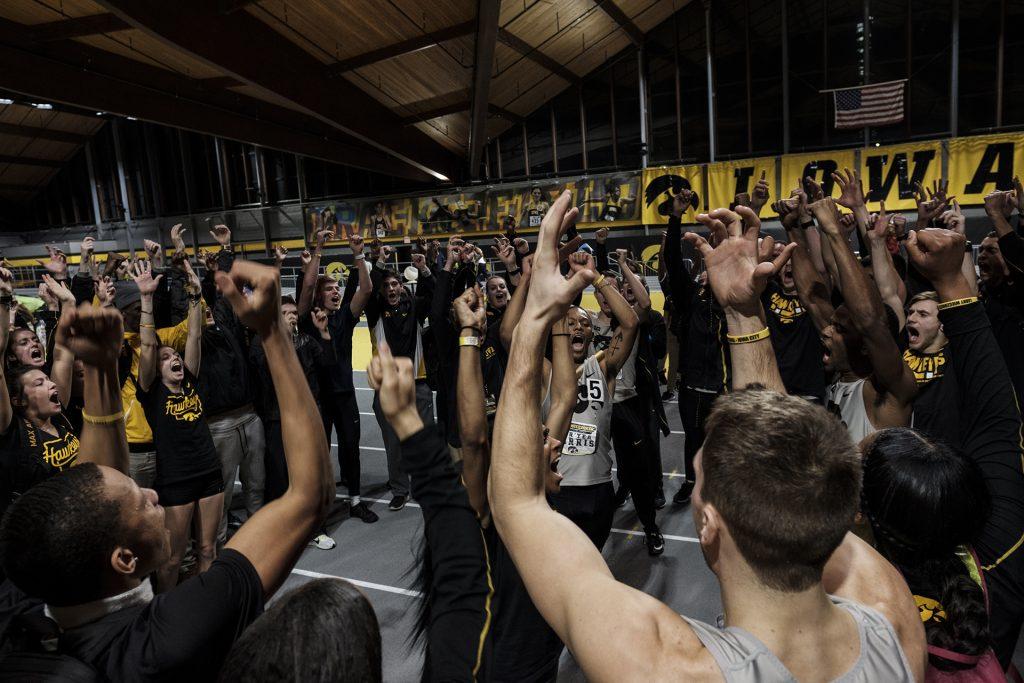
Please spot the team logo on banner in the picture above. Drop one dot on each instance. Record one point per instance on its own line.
(659, 192)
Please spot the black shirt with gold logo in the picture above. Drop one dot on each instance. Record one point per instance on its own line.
(29, 455)
(795, 340)
(926, 367)
(184, 447)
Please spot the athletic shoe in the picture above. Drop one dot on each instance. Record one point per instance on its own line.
(684, 493)
(398, 502)
(655, 542)
(659, 499)
(621, 496)
(363, 512)
(668, 395)
(324, 542)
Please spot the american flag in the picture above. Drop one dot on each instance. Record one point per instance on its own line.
(878, 104)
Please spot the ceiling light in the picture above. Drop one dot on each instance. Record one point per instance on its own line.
(41, 105)
(4, 100)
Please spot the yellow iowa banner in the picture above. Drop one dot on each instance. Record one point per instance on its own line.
(660, 184)
(889, 173)
(979, 165)
(820, 166)
(727, 179)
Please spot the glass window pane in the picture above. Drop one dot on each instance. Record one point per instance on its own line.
(538, 137)
(626, 83)
(597, 105)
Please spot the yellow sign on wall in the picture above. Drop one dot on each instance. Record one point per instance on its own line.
(730, 178)
(889, 173)
(979, 165)
(660, 184)
(820, 166)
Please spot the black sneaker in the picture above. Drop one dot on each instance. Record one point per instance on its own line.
(621, 496)
(659, 499)
(655, 542)
(684, 493)
(363, 512)
(397, 502)
(667, 396)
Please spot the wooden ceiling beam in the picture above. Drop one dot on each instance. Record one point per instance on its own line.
(37, 132)
(17, 187)
(219, 82)
(533, 54)
(403, 47)
(486, 37)
(74, 28)
(458, 107)
(615, 13)
(246, 48)
(30, 161)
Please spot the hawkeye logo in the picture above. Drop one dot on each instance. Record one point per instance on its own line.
(925, 368)
(60, 452)
(786, 310)
(185, 408)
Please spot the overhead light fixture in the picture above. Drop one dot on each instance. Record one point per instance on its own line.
(41, 105)
(131, 118)
(4, 100)
(101, 113)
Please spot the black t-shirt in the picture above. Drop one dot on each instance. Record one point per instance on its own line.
(29, 455)
(184, 446)
(182, 635)
(935, 408)
(336, 379)
(796, 342)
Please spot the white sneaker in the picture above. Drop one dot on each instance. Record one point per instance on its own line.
(324, 542)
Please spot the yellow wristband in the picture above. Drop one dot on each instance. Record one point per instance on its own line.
(956, 303)
(469, 341)
(147, 326)
(598, 281)
(748, 338)
(102, 419)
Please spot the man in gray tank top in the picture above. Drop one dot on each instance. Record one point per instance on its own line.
(777, 488)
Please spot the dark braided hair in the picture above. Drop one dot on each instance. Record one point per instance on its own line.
(924, 500)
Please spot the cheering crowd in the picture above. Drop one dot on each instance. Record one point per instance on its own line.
(853, 450)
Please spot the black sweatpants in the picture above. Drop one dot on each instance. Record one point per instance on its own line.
(694, 408)
(654, 459)
(591, 508)
(633, 455)
(341, 411)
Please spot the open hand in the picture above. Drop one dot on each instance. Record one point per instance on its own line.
(851, 189)
(222, 234)
(392, 379)
(142, 273)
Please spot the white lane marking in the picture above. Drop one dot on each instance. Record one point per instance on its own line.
(670, 537)
(670, 475)
(627, 532)
(361, 584)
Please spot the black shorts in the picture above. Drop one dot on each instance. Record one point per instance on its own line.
(190, 490)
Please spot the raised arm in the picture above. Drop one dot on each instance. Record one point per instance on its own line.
(310, 274)
(890, 375)
(471, 315)
(516, 304)
(94, 336)
(643, 299)
(890, 287)
(178, 240)
(63, 358)
(149, 354)
(810, 284)
(737, 280)
(6, 305)
(621, 344)
(563, 382)
(274, 537)
(194, 341)
(610, 628)
(362, 295)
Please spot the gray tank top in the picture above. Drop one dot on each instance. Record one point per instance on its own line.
(586, 454)
(625, 381)
(743, 658)
(846, 399)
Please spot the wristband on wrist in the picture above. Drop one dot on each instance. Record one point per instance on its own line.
(469, 341)
(513, 271)
(103, 419)
(360, 257)
(748, 338)
(598, 281)
(809, 223)
(956, 303)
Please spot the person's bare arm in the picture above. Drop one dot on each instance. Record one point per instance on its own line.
(471, 315)
(194, 341)
(6, 305)
(737, 280)
(274, 537)
(890, 287)
(149, 352)
(310, 274)
(94, 335)
(811, 287)
(63, 359)
(563, 382)
(362, 295)
(857, 572)
(891, 378)
(622, 340)
(615, 632)
(643, 299)
(515, 305)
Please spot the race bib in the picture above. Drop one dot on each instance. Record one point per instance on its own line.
(381, 233)
(535, 221)
(581, 439)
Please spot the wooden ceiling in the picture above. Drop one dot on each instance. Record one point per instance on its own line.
(386, 85)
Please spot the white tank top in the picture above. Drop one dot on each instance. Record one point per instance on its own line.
(586, 454)
(846, 400)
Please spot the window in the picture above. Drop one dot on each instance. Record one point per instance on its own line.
(626, 99)
(693, 81)
(567, 131)
(979, 54)
(282, 182)
(512, 153)
(660, 53)
(729, 24)
(538, 137)
(766, 76)
(598, 114)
